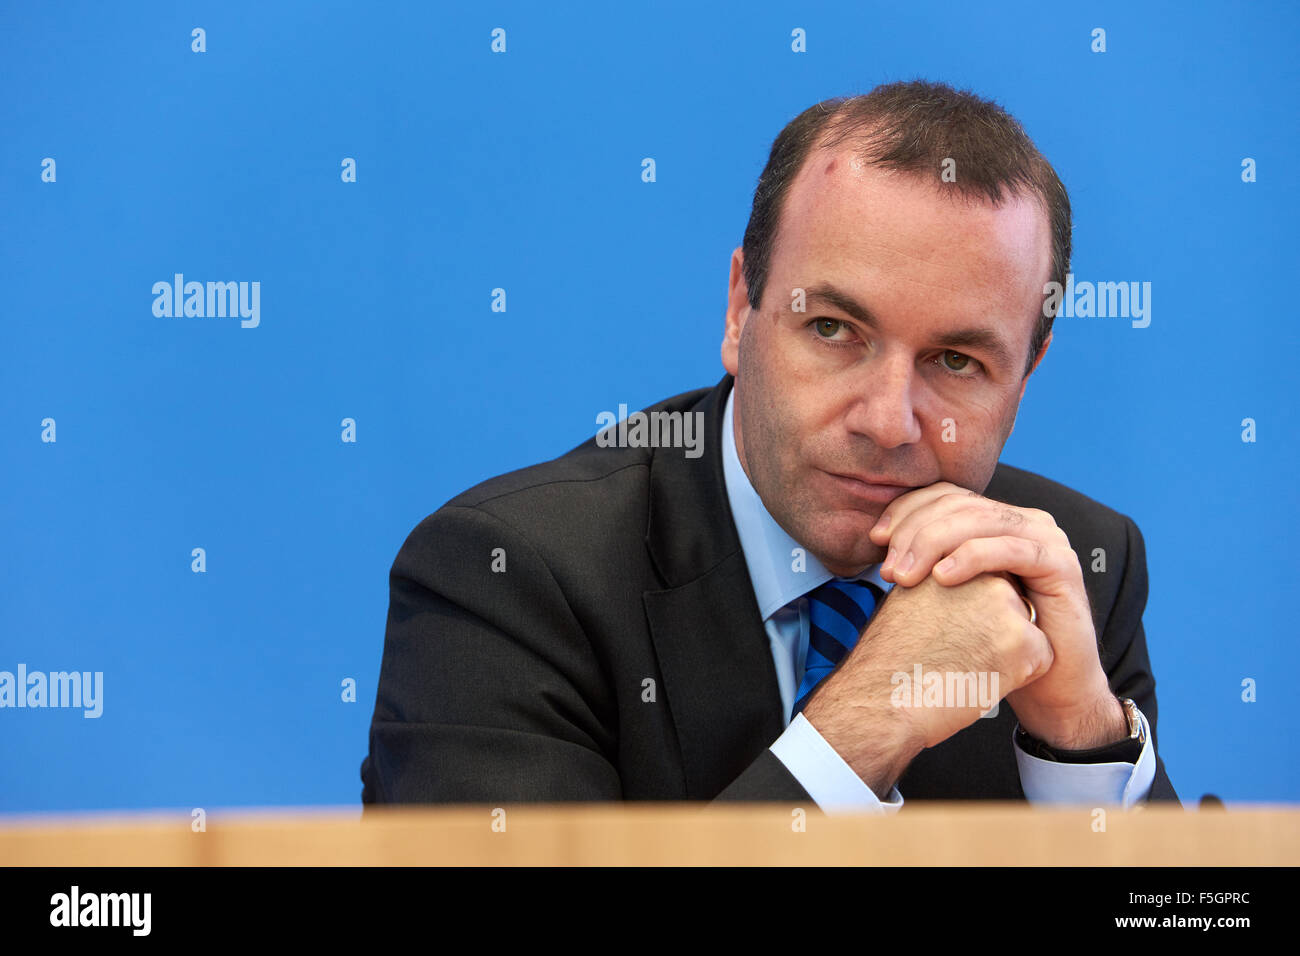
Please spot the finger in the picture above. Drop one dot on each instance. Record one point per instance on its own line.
(927, 536)
(1040, 661)
(906, 504)
(1044, 569)
(1027, 655)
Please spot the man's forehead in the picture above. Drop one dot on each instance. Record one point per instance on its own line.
(841, 211)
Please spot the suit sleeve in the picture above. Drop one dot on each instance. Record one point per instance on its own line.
(1123, 648)
(766, 780)
(488, 691)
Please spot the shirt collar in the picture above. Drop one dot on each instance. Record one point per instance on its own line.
(769, 550)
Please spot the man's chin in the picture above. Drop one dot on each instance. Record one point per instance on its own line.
(844, 548)
(850, 567)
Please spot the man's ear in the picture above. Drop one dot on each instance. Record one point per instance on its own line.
(737, 312)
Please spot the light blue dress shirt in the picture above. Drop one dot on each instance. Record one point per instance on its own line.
(780, 591)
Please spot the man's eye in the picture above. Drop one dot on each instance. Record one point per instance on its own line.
(827, 328)
(955, 361)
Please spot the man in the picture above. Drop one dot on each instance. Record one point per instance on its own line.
(644, 623)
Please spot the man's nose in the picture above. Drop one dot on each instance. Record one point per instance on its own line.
(885, 410)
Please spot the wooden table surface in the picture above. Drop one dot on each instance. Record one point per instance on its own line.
(662, 834)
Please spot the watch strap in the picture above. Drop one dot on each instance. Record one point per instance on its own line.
(1127, 750)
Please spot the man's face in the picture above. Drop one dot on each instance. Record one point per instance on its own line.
(906, 367)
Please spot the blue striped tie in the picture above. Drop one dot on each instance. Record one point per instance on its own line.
(838, 612)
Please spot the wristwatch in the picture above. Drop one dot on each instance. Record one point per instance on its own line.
(1124, 751)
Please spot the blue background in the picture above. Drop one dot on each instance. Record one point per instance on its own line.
(522, 171)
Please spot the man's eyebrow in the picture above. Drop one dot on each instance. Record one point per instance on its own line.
(842, 301)
(984, 339)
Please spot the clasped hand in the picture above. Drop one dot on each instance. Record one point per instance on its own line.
(953, 534)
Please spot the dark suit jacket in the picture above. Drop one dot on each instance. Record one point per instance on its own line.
(623, 567)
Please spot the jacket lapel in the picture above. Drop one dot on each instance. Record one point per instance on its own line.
(719, 678)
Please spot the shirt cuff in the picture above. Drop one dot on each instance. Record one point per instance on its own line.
(831, 782)
(1088, 784)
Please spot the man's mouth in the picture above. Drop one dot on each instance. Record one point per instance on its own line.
(870, 489)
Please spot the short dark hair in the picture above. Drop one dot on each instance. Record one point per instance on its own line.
(913, 127)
